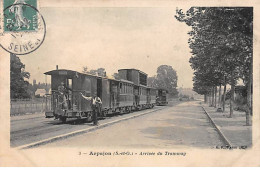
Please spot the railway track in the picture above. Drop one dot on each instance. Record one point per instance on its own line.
(30, 134)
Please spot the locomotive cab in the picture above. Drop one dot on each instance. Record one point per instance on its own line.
(60, 99)
(65, 100)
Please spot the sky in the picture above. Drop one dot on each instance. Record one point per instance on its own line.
(112, 38)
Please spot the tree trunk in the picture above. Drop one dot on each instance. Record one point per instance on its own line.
(248, 103)
(212, 96)
(205, 98)
(219, 96)
(209, 98)
(216, 89)
(224, 95)
(249, 95)
(232, 94)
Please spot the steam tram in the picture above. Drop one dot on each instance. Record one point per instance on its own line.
(128, 94)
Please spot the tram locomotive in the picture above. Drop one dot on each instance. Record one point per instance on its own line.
(128, 94)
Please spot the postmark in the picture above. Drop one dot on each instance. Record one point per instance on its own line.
(22, 28)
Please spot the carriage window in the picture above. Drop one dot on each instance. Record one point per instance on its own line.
(164, 93)
(70, 83)
(120, 87)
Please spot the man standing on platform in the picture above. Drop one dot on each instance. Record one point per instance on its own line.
(95, 105)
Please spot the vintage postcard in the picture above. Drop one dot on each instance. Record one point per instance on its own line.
(129, 83)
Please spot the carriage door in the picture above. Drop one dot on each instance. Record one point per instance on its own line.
(148, 96)
(136, 95)
(99, 88)
(69, 85)
(113, 95)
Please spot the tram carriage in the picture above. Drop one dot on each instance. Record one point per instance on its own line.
(126, 96)
(161, 97)
(117, 95)
(151, 97)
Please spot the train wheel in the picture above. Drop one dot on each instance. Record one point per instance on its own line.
(63, 119)
(105, 113)
(90, 118)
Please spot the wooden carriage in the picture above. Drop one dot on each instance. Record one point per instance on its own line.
(71, 104)
(161, 97)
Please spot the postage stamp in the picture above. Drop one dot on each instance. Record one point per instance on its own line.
(22, 28)
(20, 17)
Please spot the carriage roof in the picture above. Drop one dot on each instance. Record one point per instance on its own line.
(126, 81)
(163, 89)
(73, 73)
(134, 69)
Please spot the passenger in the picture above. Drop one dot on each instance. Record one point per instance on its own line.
(62, 96)
(61, 88)
(95, 105)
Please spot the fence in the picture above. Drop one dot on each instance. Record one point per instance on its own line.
(23, 106)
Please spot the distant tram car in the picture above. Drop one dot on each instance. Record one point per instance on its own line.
(125, 95)
(161, 97)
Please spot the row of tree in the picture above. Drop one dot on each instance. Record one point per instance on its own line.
(33, 87)
(221, 43)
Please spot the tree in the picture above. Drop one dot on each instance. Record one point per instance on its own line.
(152, 81)
(221, 40)
(85, 69)
(116, 76)
(99, 72)
(18, 84)
(166, 78)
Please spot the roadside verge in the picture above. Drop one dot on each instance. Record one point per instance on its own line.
(233, 131)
